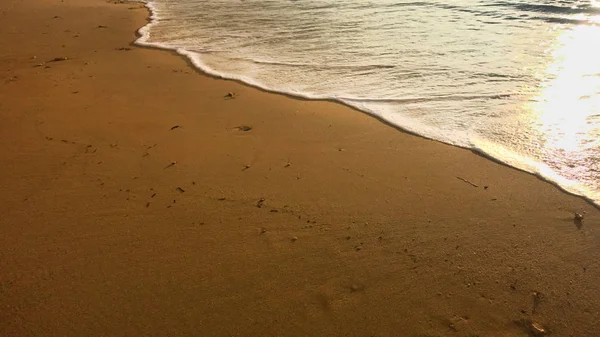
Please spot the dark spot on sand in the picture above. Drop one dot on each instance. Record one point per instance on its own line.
(356, 288)
(244, 128)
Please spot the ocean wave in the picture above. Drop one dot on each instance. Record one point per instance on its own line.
(427, 99)
(462, 84)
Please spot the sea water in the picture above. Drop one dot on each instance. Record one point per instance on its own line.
(518, 81)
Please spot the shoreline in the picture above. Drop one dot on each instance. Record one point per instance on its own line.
(190, 62)
(136, 204)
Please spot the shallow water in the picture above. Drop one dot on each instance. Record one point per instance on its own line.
(518, 81)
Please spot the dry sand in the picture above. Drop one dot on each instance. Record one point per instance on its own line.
(319, 221)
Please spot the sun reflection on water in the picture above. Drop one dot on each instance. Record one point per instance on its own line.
(569, 99)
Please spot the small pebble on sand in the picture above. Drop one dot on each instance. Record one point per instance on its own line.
(537, 329)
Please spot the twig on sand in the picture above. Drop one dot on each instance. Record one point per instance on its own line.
(466, 181)
(172, 164)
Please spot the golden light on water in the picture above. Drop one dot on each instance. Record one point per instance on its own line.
(570, 91)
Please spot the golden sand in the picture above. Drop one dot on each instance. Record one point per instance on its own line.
(258, 215)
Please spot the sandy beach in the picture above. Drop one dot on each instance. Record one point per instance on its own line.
(138, 199)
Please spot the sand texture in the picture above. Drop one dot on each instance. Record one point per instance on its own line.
(138, 200)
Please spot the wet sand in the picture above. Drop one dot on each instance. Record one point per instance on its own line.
(138, 200)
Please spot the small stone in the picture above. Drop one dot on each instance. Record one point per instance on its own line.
(578, 217)
(537, 329)
(358, 248)
(294, 239)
